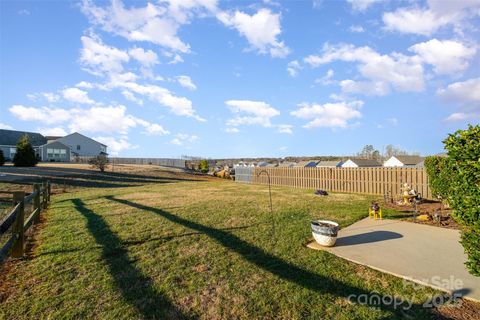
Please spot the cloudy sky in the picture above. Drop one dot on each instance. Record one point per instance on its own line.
(240, 78)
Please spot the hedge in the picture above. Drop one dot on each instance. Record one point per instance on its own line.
(464, 189)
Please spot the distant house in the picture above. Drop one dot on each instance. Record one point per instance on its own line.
(404, 161)
(287, 164)
(45, 150)
(83, 146)
(329, 164)
(360, 163)
(307, 164)
(262, 164)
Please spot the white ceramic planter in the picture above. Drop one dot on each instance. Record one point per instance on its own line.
(325, 232)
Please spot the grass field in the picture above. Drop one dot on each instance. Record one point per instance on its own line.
(173, 246)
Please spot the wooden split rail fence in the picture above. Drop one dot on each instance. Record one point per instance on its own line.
(375, 181)
(20, 219)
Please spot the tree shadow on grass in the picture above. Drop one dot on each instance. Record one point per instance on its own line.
(136, 288)
(287, 270)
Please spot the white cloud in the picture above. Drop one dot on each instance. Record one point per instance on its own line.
(155, 23)
(447, 57)
(326, 79)
(109, 119)
(329, 115)
(85, 85)
(356, 29)
(398, 71)
(232, 130)
(251, 113)
(102, 119)
(76, 95)
(115, 146)
(5, 126)
(178, 105)
(369, 88)
(361, 5)
(466, 93)
(293, 67)
(56, 131)
(131, 97)
(48, 96)
(146, 58)
(98, 58)
(42, 114)
(260, 29)
(284, 128)
(427, 21)
(186, 82)
(176, 59)
(182, 139)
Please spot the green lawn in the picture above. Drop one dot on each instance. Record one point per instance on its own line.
(194, 249)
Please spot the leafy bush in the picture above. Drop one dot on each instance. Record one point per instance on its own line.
(2, 158)
(464, 192)
(25, 155)
(439, 174)
(100, 162)
(203, 166)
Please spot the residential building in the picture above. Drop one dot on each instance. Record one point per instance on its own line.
(404, 161)
(45, 151)
(83, 146)
(360, 163)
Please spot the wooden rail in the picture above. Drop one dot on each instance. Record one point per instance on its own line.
(21, 220)
(375, 181)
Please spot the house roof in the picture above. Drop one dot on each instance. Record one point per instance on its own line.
(287, 164)
(409, 160)
(310, 163)
(329, 163)
(366, 162)
(71, 134)
(11, 137)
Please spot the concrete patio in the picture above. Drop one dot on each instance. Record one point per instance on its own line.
(424, 254)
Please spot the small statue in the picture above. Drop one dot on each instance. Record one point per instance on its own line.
(375, 210)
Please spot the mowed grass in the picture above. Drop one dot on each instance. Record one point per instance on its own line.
(195, 249)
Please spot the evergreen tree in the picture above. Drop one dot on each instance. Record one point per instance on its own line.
(25, 155)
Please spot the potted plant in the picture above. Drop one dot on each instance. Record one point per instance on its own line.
(325, 232)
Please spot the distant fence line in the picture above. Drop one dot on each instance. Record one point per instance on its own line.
(375, 181)
(167, 162)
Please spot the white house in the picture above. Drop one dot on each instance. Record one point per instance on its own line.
(360, 163)
(83, 146)
(404, 161)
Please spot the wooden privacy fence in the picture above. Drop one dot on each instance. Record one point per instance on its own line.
(25, 213)
(377, 181)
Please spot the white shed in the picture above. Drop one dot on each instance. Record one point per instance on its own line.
(403, 161)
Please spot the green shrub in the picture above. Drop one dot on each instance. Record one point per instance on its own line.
(439, 175)
(464, 192)
(25, 155)
(100, 162)
(203, 166)
(2, 158)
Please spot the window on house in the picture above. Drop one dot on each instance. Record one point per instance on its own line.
(78, 147)
(56, 153)
(12, 152)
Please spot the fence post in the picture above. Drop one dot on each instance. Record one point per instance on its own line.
(44, 195)
(49, 190)
(18, 247)
(36, 201)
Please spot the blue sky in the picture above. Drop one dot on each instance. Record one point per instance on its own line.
(242, 78)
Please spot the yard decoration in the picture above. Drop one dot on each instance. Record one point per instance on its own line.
(321, 192)
(325, 232)
(375, 211)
